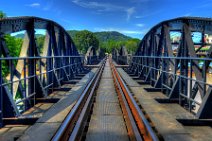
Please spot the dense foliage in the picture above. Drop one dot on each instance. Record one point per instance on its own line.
(110, 35)
(130, 44)
(14, 48)
(2, 15)
(40, 43)
(85, 39)
(104, 40)
(82, 39)
(109, 40)
(14, 45)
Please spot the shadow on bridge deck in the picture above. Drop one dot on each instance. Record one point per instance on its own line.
(165, 116)
(50, 115)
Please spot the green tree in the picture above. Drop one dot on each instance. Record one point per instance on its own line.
(14, 47)
(85, 39)
(109, 45)
(40, 43)
(2, 15)
(132, 45)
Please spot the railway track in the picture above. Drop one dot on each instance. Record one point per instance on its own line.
(88, 121)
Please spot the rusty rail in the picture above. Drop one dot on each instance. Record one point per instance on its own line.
(69, 129)
(143, 125)
(73, 126)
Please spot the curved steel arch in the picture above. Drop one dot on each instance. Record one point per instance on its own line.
(194, 23)
(16, 24)
(165, 63)
(36, 73)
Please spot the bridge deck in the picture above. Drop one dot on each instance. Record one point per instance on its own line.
(47, 125)
(164, 116)
(50, 115)
(107, 122)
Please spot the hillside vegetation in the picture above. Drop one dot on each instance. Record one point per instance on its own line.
(108, 40)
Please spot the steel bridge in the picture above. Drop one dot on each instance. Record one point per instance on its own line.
(178, 74)
(55, 93)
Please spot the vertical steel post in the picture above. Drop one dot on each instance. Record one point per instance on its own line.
(31, 62)
(1, 88)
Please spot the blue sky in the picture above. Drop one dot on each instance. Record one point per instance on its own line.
(130, 17)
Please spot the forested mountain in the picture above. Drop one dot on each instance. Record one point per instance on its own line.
(107, 40)
(105, 35)
(72, 33)
(111, 35)
(101, 36)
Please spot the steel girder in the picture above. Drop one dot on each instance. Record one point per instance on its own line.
(35, 74)
(177, 72)
(121, 56)
(115, 54)
(94, 56)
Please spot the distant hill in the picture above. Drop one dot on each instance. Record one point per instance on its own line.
(111, 35)
(21, 35)
(72, 32)
(105, 35)
(101, 36)
(108, 40)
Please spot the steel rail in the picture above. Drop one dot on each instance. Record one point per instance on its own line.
(68, 124)
(133, 131)
(142, 123)
(79, 127)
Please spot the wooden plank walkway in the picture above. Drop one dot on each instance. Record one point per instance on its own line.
(107, 122)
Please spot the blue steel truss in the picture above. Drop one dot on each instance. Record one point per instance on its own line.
(175, 58)
(34, 74)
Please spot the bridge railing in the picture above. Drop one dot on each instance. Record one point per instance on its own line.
(122, 60)
(175, 57)
(92, 60)
(180, 83)
(39, 77)
(44, 63)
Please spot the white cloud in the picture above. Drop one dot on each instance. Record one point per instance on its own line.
(105, 7)
(148, 14)
(98, 6)
(139, 1)
(130, 11)
(33, 5)
(205, 4)
(187, 14)
(139, 25)
(67, 21)
(138, 17)
(49, 5)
